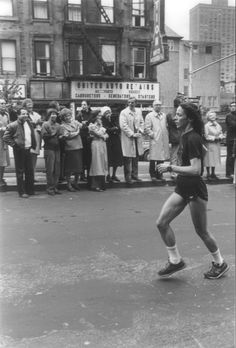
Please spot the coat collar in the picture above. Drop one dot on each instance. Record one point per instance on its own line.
(158, 114)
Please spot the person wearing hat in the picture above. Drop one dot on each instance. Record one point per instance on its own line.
(156, 129)
(51, 134)
(132, 129)
(98, 168)
(73, 149)
(114, 151)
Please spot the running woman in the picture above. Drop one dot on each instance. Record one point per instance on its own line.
(190, 190)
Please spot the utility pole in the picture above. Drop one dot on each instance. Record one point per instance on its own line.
(191, 72)
(190, 87)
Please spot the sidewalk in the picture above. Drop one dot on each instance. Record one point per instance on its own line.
(40, 177)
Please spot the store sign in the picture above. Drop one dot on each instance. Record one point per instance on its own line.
(93, 90)
(157, 50)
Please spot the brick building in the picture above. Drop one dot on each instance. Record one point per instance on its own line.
(71, 50)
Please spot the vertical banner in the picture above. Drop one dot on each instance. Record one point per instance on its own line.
(157, 49)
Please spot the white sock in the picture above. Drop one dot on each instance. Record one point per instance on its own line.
(217, 257)
(173, 253)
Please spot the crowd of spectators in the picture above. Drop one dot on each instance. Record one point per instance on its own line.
(90, 145)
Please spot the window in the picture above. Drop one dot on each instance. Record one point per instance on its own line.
(74, 10)
(209, 101)
(42, 59)
(6, 8)
(139, 62)
(186, 73)
(138, 18)
(75, 59)
(208, 50)
(171, 45)
(109, 56)
(108, 6)
(8, 57)
(186, 90)
(40, 9)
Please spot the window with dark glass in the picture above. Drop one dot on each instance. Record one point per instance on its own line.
(8, 57)
(171, 45)
(40, 9)
(42, 59)
(6, 7)
(109, 56)
(139, 62)
(75, 63)
(138, 13)
(186, 90)
(108, 7)
(186, 73)
(74, 10)
(208, 50)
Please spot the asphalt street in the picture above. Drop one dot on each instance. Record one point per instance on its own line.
(80, 270)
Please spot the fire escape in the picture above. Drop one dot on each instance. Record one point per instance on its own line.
(80, 27)
(103, 12)
(106, 69)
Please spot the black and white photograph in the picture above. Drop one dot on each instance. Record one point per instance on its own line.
(117, 173)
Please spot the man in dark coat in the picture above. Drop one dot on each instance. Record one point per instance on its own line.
(20, 135)
(85, 116)
(230, 122)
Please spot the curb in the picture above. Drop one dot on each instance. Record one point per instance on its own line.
(41, 186)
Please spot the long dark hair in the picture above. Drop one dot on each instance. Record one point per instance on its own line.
(193, 113)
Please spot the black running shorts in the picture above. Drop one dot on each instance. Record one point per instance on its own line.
(191, 187)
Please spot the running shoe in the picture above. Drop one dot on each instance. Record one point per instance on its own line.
(216, 271)
(171, 268)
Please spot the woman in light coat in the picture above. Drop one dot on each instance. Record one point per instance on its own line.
(99, 163)
(156, 129)
(213, 136)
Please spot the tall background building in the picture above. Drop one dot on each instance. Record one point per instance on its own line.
(215, 22)
(186, 56)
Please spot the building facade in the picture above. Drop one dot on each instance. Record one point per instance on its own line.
(215, 22)
(168, 73)
(186, 56)
(74, 50)
(204, 83)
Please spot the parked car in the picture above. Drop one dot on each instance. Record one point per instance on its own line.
(145, 156)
